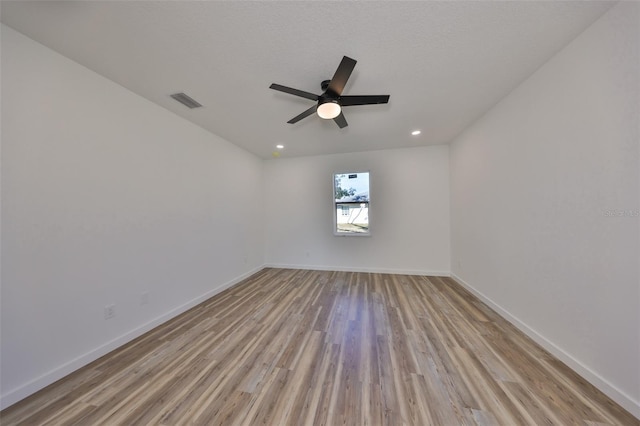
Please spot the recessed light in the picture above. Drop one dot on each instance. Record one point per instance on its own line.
(416, 132)
(280, 146)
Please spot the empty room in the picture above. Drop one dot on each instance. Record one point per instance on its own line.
(320, 213)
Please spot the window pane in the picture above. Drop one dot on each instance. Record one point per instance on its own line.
(352, 218)
(351, 199)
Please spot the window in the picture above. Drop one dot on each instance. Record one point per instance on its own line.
(351, 203)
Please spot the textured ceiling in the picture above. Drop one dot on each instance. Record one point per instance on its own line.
(443, 63)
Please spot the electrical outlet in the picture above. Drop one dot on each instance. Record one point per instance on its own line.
(144, 298)
(109, 311)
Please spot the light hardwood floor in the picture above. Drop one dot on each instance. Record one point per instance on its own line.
(293, 347)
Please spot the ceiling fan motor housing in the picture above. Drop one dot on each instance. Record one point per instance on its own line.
(325, 85)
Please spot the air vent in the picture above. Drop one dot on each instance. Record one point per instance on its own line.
(186, 100)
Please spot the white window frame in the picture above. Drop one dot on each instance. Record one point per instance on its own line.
(335, 207)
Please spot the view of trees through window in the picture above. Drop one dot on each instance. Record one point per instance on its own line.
(351, 203)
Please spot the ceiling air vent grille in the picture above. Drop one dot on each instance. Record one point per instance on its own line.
(186, 100)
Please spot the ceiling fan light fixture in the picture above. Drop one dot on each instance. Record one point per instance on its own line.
(329, 109)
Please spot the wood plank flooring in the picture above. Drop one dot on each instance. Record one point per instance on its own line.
(293, 347)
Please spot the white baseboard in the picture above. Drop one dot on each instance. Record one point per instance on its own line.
(603, 385)
(58, 373)
(358, 269)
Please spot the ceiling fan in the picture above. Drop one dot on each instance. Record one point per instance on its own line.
(330, 102)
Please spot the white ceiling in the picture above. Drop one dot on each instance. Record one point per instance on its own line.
(443, 63)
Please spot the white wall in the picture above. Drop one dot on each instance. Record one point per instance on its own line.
(409, 212)
(106, 196)
(532, 186)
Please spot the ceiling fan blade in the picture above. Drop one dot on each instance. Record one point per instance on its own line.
(363, 100)
(294, 92)
(337, 83)
(341, 121)
(303, 115)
